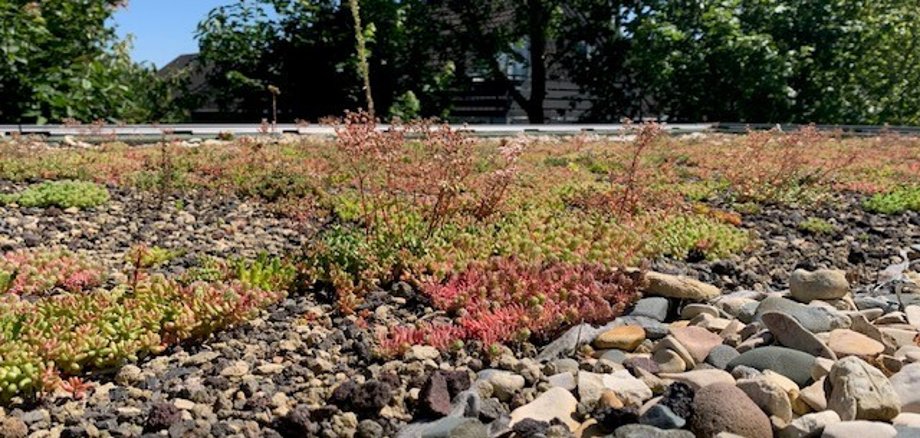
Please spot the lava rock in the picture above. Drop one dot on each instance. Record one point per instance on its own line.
(162, 415)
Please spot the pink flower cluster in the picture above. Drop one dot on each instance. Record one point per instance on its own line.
(506, 299)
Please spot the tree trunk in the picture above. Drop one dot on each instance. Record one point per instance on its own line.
(538, 20)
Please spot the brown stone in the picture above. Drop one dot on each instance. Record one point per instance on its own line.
(626, 338)
(722, 407)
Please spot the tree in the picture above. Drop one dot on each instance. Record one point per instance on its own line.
(826, 61)
(60, 60)
(488, 32)
(307, 49)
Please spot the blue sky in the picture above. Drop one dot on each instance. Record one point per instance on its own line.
(163, 29)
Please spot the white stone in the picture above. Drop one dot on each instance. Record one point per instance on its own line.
(906, 384)
(809, 425)
(860, 391)
(629, 389)
(859, 429)
(557, 403)
(769, 396)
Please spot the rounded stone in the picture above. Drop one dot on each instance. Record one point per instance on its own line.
(13, 427)
(859, 391)
(626, 338)
(844, 342)
(907, 384)
(815, 319)
(859, 429)
(697, 340)
(823, 284)
(673, 286)
(722, 407)
(793, 364)
(721, 355)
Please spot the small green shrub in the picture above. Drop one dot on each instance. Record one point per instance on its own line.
(699, 191)
(45, 340)
(750, 208)
(63, 194)
(816, 225)
(151, 257)
(897, 201)
(678, 235)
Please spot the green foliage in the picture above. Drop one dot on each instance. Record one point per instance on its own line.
(679, 235)
(43, 340)
(828, 61)
(61, 59)
(815, 225)
(63, 194)
(699, 191)
(265, 272)
(308, 50)
(151, 257)
(897, 201)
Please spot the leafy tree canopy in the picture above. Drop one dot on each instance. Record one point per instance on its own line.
(60, 60)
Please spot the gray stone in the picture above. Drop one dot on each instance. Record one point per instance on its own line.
(652, 307)
(721, 355)
(447, 427)
(615, 356)
(662, 417)
(859, 429)
(815, 319)
(859, 391)
(645, 431)
(504, 383)
(563, 380)
(810, 425)
(794, 364)
(907, 432)
(823, 284)
(569, 342)
(906, 384)
(654, 329)
(790, 333)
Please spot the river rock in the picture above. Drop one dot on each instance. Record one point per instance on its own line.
(722, 407)
(810, 425)
(626, 338)
(859, 429)
(794, 364)
(790, 333)
(652, 307)
(697, 340)
(673, 286)
(504, 383)
(769, 396)
(823, 284)
(906, 384)
(845, 342)
(859, 391)
(557, 403)
(815, 319)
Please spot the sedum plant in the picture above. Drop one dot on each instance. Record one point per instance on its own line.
(63, 194)
(894, 202)
(41, 272)
(46, 343)
(506, 299)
